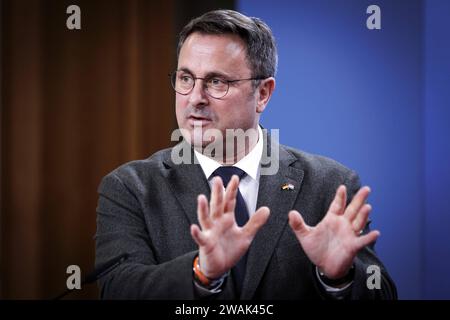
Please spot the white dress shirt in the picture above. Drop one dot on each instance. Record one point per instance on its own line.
(249, 185)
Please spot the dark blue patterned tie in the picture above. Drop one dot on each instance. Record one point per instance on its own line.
(241, 215)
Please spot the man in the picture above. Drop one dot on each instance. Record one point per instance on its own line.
(288, 234)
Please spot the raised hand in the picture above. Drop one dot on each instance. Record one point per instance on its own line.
(221, 241)
(333, 243)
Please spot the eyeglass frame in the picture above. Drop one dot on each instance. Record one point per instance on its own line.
(208, 78)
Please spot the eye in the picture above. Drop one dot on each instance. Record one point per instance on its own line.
(217, 83)
(185, 78)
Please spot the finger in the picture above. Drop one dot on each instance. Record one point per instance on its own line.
(337, 206)
(357, 202)
(198, 236)
(230, 194)
(217, 198)
(256, 221)
(297, 223)
(203, 212)
(361, 218)
(367, 239)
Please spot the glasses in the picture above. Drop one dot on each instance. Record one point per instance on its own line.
(183, 82)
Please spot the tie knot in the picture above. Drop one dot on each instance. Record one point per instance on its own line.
(226, 172)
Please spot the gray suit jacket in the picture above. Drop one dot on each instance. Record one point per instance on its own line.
(146, 207)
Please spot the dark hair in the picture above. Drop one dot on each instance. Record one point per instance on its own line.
(261, 47)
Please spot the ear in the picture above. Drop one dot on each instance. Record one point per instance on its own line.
(264, 92)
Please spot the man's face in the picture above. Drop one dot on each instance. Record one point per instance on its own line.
(223, 56)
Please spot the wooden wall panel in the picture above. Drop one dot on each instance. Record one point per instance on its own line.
(74, 106)
(21, 151)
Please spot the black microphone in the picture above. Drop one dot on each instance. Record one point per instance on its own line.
(98, 273)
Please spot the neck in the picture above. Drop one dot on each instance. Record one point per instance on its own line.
(236, 148)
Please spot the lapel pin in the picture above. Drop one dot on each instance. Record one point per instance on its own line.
(287, 186)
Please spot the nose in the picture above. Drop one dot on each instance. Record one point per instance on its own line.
(198, 97)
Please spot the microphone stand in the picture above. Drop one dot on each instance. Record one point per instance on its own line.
(98, 273)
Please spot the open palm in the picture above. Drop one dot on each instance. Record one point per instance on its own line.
(333, 243)
(221, 241)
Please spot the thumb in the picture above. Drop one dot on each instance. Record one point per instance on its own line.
(256, 221)
(297, 223)
(198, 236)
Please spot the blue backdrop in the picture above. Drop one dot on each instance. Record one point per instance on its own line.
(378, 101)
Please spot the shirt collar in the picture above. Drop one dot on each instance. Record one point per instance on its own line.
(249, 163)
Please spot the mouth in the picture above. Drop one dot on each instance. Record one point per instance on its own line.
(198, 120)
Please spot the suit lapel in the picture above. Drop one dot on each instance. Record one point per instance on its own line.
(187, 181)
(279, 201)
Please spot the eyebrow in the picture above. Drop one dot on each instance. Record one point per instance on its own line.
(209, 74)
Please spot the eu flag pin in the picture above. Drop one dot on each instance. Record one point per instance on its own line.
(287, 186)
